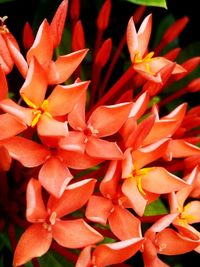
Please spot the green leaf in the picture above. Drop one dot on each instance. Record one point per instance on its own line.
(5, 1)
(157, 3)
(156, 207)
(4, 241)
(54, 259)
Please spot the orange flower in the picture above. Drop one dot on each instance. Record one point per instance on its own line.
(144, 62)
(47, 225)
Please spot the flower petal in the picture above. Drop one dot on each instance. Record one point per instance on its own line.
(63, 98)
(25, 115)
(150, 153)
(107, 120)
(144, 34)
(140, 106)
(132, 39)
(75, 234)
(180, 148)
(50, 127)
(84, 161)
(99, 148)
(124, 224)
(42, 48)
(73, 142)
(137, 200)
(29, 153)
(54, 176)
(10, 126)
(34, 242)
(172, 243)
(98, 209)
(5, 159)
(70, 200)
(35, 209)
(108, 254)
(35, 85)
(158, 180)
(60, 70)
(4, 85)
(84, 258)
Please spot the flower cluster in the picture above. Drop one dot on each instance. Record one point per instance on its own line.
(82, 162)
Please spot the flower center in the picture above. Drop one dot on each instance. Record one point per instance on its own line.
(137, 174)
(146, 60)
(51, 220)
(37, 111)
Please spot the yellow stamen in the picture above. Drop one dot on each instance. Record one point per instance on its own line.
(36, 118)
(52, 218)
(28, 102)
(185, 215)
(138, 174)
(148, 58)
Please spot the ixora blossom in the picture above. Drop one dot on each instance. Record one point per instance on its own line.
(100, 175)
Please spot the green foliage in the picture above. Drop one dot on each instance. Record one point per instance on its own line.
(157, 207)
(157, 3)
(53, 259)
(5, 1)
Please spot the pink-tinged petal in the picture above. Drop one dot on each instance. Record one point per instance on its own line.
(109, 184)
(98, 209)
(42, 48)
(159, 62)
(70, 200)
(63, 98)
(76, 117)
(35, 209)
(135, 139)
(35, 85)
(4, 85)
(34, 242)
(127, 163)
(108, 254)
(84, 161)
(50, 127)
(99, 148)
(29, 153)
(142, 69)
(128, 127)
(150, 255)
(178, 113)
(107, 120)
(84, 258)
(25, 115)
(5, 159)
(10, 126)
(132, 39)
(144, 34)
(75, 234)
(150, 153)
(54, 176)
(18, 58)
(73, 142)
(124, 224)
(187, 230)
(139, 106)
(137, 199)
(158, 180)
(58, 23)
(60, 70)
(162, 223)
(191, 212)
(172, 243)
(161, 129)
(192, 180)
(154, 88)
(181, 149)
